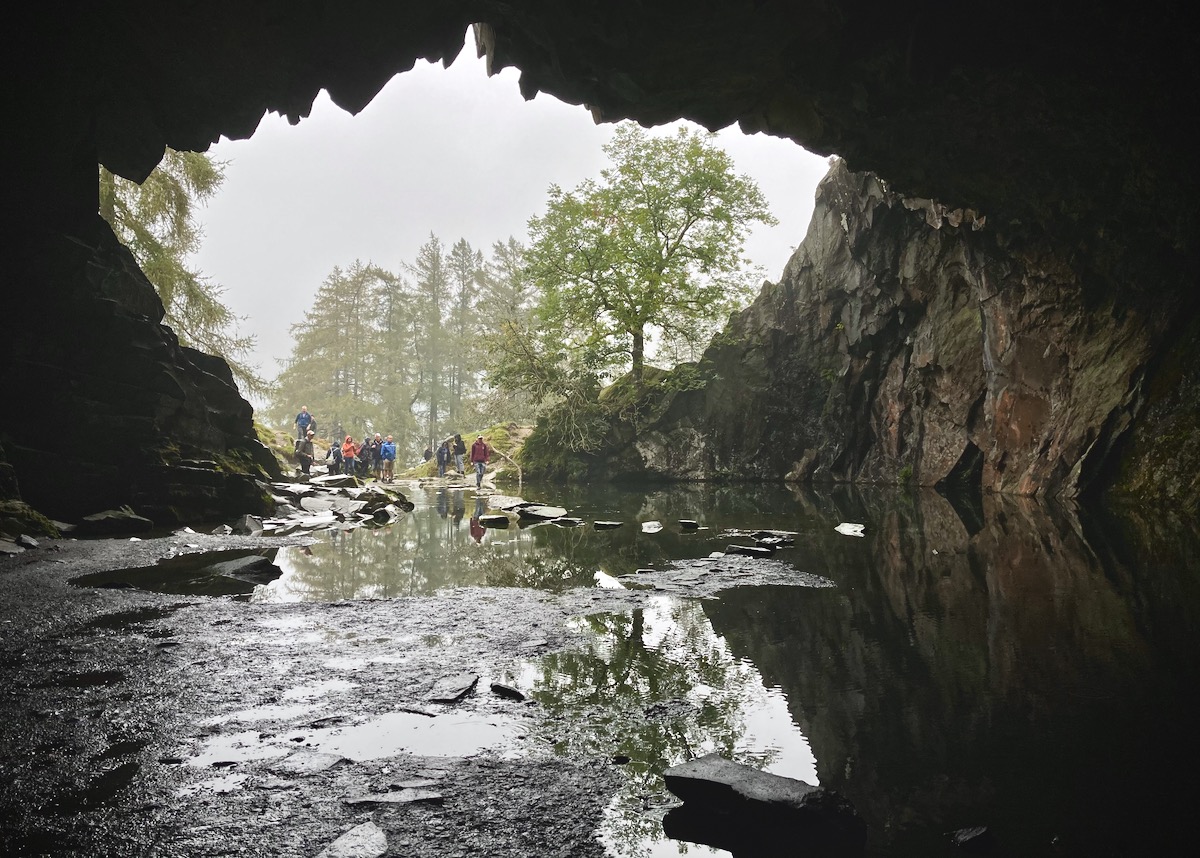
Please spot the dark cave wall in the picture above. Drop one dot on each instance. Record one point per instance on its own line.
(103, 406)
(1062, 126)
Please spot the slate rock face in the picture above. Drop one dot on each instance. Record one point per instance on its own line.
(893, 351)
(112, 410)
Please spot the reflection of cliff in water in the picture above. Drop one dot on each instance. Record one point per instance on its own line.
(1022, 677)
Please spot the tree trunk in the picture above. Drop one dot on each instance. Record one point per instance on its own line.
(638, 354)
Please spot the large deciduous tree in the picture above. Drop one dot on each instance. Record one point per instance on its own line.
(651, 249)
(155, 220)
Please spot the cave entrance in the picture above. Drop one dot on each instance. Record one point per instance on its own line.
(444, 152)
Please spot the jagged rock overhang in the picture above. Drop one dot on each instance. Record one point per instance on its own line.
(1061, 121)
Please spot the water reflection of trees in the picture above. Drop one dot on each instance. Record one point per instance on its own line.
(655, 686)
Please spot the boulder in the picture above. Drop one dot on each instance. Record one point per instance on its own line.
(253, 568)
(507, 691)
(538, 512)
(248, 525)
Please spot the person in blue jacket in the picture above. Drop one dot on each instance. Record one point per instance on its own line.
(387, 452)
(304, 422)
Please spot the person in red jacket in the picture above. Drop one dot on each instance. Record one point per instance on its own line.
(349, 451)
(480, 453)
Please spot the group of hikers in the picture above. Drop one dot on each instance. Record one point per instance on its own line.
(378, 455)
(454, 449)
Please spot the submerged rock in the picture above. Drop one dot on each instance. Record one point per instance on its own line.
(750, 550)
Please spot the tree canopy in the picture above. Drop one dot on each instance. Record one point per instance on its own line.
(155, 221)
(651, 249)
(381, 352)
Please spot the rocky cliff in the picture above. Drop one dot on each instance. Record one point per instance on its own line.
(905, 343)
(112, 410)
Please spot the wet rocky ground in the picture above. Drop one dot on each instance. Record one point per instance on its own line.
(138, 723)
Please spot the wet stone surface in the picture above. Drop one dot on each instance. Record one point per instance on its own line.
(143, 723)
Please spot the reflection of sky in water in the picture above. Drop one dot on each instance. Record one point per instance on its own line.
(667, 661)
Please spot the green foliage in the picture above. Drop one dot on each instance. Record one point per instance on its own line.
(155, 220)
(378, 352)
(341, 368)
(648, 255)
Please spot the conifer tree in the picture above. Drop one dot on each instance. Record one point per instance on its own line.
(155, 220)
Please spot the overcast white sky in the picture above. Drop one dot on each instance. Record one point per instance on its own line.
(447, 151)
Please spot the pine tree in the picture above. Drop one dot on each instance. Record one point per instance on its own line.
(155, 220)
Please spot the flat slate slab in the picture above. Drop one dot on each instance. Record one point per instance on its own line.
(361, 841)
(723, 799)
(749, 550)
(407, 795)
(714, 780)
(541, 513)
(451, 689)
(306, 763)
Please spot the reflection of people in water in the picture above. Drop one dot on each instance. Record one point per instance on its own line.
(441, 503)
(476, 527)
(459, 507)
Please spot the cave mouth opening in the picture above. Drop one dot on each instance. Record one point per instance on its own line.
(440, 151)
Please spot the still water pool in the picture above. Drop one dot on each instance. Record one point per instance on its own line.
(1003, 663)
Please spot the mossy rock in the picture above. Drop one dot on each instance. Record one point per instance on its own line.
(18, 517)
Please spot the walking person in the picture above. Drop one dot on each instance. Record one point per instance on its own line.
(480, 453)
(387, 452)
(304, 452)
(304, 421)
(334, 455)
(349, 452)
(460, 450)
(443, 458)
(376, 449)
(364, 457)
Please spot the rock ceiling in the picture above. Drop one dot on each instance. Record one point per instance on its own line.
(1074, 122)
